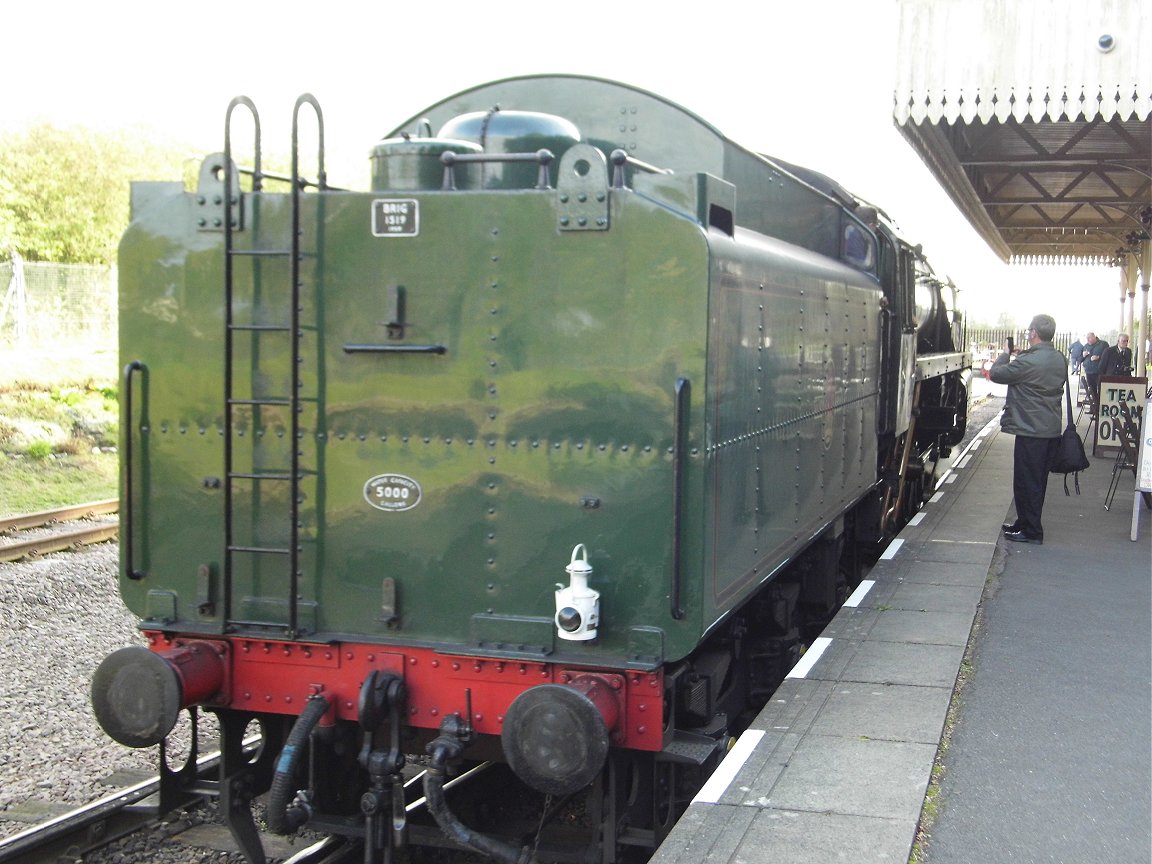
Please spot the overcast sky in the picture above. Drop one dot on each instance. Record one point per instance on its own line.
(810, 82)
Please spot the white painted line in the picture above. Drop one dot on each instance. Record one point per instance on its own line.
(861, 590)
(723, 776)
(892, 549)
(964, 455)
(818, 646)
(918, 518)
(935, 499)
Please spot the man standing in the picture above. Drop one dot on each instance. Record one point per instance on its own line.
(1117, 359)
(1093, 352)
(1075, 354)
(1032, 413)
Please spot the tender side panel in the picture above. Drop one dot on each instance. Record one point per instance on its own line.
(792, 409)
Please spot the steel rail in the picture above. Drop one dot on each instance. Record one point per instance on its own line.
(60, 514)
(105, 820)
(82, 829)
(93, 825)
(58, 542)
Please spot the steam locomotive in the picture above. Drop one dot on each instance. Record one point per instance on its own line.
(552, 450)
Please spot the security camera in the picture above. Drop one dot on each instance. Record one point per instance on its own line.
(1106, 43)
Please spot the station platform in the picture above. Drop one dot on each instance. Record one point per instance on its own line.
(1043, 652)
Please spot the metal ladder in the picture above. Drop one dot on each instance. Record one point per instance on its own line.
(293, 473)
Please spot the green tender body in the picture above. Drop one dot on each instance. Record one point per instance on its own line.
(547, 422)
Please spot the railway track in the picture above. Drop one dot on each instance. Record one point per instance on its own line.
(84, 828)
(56, 540)
(81, 832)
(134, 809)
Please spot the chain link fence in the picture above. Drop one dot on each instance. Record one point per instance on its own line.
(57, 322)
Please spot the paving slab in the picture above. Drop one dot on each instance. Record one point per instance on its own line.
(826, 838)
(931, 597)
(922, 665)
(889, 712)
(830, 774)
(917, 625)
(941, 573)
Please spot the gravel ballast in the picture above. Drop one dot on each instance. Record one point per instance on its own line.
(61, 616)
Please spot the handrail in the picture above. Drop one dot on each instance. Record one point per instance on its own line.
(362, 348)
(257, 184)
(257, 175)
(295, 335)
(679, 457)
(620, 158)
(450, 159)
(129, 510)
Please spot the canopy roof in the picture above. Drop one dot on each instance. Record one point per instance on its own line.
(1034, 115)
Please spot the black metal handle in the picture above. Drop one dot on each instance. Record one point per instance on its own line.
(679, 457)
(354, 348)
(126, 502)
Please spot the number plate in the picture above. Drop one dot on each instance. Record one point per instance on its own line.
(395, 217)
(392, 493)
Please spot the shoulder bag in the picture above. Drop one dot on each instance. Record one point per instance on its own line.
(1070, 457)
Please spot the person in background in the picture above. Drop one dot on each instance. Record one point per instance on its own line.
(1076, 354)
(1090, 364)
(1117, 359)
(1033, 413)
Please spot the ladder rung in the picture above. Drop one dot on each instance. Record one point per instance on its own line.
(260, 550)
(238, 476)
(259, 401)
(273, 253)
(261, 328)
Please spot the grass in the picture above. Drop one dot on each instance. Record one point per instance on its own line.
(57, 445)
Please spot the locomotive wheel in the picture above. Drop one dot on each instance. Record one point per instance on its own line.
(636, 802)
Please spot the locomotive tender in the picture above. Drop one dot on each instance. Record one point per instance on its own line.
(554, 448)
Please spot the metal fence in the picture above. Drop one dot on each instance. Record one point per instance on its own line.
(983, 341)
(57, 320)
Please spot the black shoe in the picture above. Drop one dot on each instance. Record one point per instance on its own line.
(1011, 526)
(1021, 537)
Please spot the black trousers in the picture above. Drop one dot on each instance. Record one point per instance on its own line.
(1031, 462)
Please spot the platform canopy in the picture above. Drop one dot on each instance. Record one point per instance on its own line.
(1034, 115)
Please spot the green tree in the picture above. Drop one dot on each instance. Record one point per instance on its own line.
(64, 192)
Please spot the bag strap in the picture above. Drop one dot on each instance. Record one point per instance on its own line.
(1068, 399)
(1072, 426)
